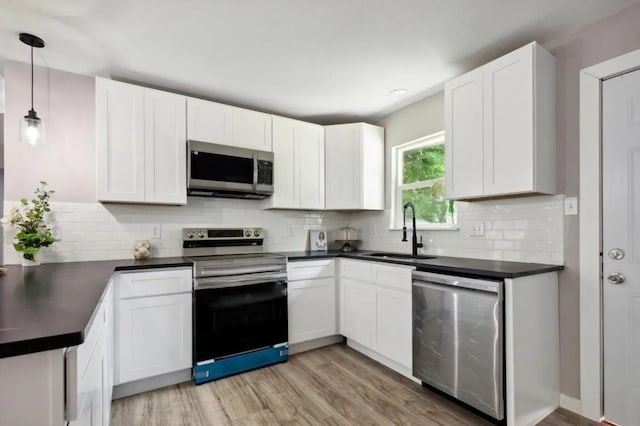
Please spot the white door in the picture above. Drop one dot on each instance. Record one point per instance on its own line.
(310, 143)
(153, 336)
(358, 311)
(165, 147)
(286, 182)
(119, 141)
(251, 129)
(621, 230)
(343, 157)
(393, 325)
(463, 136)
(312, 309)
(508, 123)
(208, 122)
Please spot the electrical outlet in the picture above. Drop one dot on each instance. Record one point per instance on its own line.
(372, 229)
(156, 231)
(291, 231)
(477, 229)
(571, 206)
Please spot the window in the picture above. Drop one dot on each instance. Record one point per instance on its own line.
(418, 177)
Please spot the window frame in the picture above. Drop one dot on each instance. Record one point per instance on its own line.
(397, 187)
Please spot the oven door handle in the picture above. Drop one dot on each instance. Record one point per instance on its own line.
(238, 280)
(224, 271)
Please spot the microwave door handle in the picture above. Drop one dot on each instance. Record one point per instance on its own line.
(255, 171)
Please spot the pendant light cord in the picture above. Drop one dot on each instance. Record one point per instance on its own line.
(32, 77)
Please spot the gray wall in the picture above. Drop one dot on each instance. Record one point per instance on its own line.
(66, 157)
(605, 39)
(420, 119)
(595, 43)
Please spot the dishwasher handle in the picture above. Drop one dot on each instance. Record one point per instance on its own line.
(460, 282)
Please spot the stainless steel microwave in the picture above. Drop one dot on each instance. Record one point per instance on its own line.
(227, 171)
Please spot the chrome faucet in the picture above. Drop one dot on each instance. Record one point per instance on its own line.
(415, 245)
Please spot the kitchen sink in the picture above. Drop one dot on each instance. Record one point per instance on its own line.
(384, 255)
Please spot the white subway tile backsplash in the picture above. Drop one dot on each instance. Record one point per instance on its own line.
(95, 231)
(524, 230)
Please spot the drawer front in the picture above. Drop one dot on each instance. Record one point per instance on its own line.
(310, 269)
(355, 269)
(396, 277)
(154, 283)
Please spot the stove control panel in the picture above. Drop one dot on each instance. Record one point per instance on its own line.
(221, 234)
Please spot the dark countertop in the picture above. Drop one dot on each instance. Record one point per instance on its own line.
(479, 268)
(51, 306)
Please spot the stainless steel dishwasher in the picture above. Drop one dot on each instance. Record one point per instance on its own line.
(458, 339)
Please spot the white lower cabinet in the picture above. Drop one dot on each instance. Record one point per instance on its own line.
(89, 379)
(393, 325)
(358, 310)
(311, 300)
(375, 309)
(153, 324)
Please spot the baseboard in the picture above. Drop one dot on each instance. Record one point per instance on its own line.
(297, 348)
(144, 385)
(398, 368)
(571, 404)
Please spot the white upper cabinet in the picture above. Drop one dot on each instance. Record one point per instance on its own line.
(354, 155)
(251, 129)
(500, 127)
(120, 141)
(463, 137)
(165, 148)
(141, 144)
(209, 122)
(226, 125)
(299, 170)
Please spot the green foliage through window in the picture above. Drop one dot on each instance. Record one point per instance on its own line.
(423, 184)
(423, 164)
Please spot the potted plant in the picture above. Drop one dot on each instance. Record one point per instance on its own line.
(33, 232)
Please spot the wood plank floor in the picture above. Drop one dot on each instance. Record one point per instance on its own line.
(334, 385)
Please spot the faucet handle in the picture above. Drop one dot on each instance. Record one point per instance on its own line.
(420, 245)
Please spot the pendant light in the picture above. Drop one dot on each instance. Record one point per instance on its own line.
(32, 124)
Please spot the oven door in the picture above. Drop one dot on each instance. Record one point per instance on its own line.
(236, 315)
(218, 167)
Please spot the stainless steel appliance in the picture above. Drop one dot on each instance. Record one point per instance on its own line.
(458, 343)
(227, 171)
(240, 302)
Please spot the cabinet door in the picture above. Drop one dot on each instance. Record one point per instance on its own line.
(393, 325)
(209, 122)
(91, 387)
(165, 147)
(343, 155)
(508, 129)
(312, 309)
(153, 336)
(372, 167)
(251, 129)
(463, 102)
(311, 169)
(119, 141)
(358, 311)
(286, 181)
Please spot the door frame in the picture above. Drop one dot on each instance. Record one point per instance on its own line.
(591, 346)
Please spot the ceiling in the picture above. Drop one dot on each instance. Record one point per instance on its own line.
(326, 61)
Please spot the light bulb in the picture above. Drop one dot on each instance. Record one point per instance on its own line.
(32, 133)
(31, 128)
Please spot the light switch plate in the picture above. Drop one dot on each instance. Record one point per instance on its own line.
(477, 229)
(571, 206)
